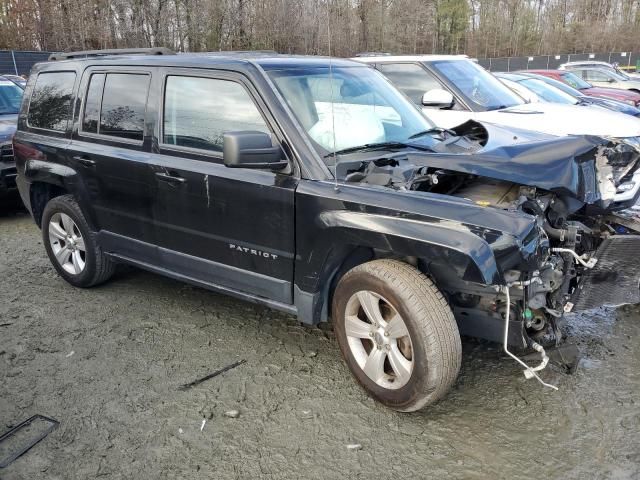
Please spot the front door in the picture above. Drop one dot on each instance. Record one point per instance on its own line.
(230, 227)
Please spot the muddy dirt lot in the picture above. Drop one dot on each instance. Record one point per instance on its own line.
(139, 337)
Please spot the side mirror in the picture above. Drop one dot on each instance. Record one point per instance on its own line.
(251, 149)
(437, 98)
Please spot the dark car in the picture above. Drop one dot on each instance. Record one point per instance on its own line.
(313, 186)
(573, 80)
(10, 99)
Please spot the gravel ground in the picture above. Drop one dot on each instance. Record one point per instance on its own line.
(140, 336)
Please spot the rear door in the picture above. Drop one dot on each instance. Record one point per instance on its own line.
(109, 149)
(230, 227)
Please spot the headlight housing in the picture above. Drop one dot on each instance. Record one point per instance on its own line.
(632, 142)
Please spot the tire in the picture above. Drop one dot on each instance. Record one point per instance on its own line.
(429, 342)
(92, 266)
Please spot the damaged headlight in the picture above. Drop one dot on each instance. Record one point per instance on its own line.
(632, 142)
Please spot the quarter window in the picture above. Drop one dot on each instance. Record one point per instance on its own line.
(410, 79)
(198, 111)
(123, 105)
(50, 105)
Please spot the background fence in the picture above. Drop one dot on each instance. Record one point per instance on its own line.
(20, 62)
(509, 64)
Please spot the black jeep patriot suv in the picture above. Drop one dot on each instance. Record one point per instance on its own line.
(312, 186)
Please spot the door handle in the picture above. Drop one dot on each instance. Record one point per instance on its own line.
(174, 179)
(85, 161)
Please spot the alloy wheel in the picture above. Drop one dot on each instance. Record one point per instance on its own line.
(378, 339)
(67, 243)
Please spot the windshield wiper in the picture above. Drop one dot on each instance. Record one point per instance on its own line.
(377, 146)
(432, 130)
(499, 107)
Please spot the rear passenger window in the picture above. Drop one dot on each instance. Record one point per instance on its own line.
(123, 105)
(198, 111)
(50, 105)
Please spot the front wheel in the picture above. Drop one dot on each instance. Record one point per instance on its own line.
(397, 334)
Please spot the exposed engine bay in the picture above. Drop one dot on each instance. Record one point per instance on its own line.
(577, 215)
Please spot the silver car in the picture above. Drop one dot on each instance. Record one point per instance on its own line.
(598, 64)
(602, 77)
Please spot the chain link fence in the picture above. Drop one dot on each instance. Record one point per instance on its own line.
(627, 60)
(19, 62)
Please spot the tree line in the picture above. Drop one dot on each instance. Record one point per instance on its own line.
(480, 28)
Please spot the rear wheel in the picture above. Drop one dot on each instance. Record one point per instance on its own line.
(72, 246)
(397, 334)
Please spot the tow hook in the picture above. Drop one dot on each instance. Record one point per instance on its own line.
(583, 260)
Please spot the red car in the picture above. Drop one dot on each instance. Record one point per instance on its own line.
(573, 80)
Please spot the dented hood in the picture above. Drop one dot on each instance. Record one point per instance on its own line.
(587, 168)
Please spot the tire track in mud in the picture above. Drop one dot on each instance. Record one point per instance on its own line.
(140, 336)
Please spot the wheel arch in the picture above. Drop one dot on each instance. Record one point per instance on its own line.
(41, 193)
(431, 248)
(47, 180)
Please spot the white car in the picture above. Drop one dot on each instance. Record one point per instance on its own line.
(452, 89)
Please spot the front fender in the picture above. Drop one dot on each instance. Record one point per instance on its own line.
(465, 252)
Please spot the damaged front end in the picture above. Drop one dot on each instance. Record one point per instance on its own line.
(575, 187)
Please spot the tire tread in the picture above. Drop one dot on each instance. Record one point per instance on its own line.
(433, 315)
(104, 267)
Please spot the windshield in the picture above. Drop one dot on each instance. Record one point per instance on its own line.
(10, 98)
(547, 92)
(366, 108)
(615, 74)
(480, 89)
(575, 81)
(561, 86)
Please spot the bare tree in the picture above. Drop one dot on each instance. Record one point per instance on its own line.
(476, 27)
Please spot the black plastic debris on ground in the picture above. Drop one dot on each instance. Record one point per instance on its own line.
(211, 375)
(22, 437)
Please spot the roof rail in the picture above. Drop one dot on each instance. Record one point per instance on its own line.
(114, 51)
(373, 54)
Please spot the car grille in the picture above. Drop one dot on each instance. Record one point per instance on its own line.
(6, 153)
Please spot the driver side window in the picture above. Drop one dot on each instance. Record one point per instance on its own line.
(410, 79)
(199, 111)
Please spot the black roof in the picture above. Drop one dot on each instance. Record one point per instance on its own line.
(266, 59)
